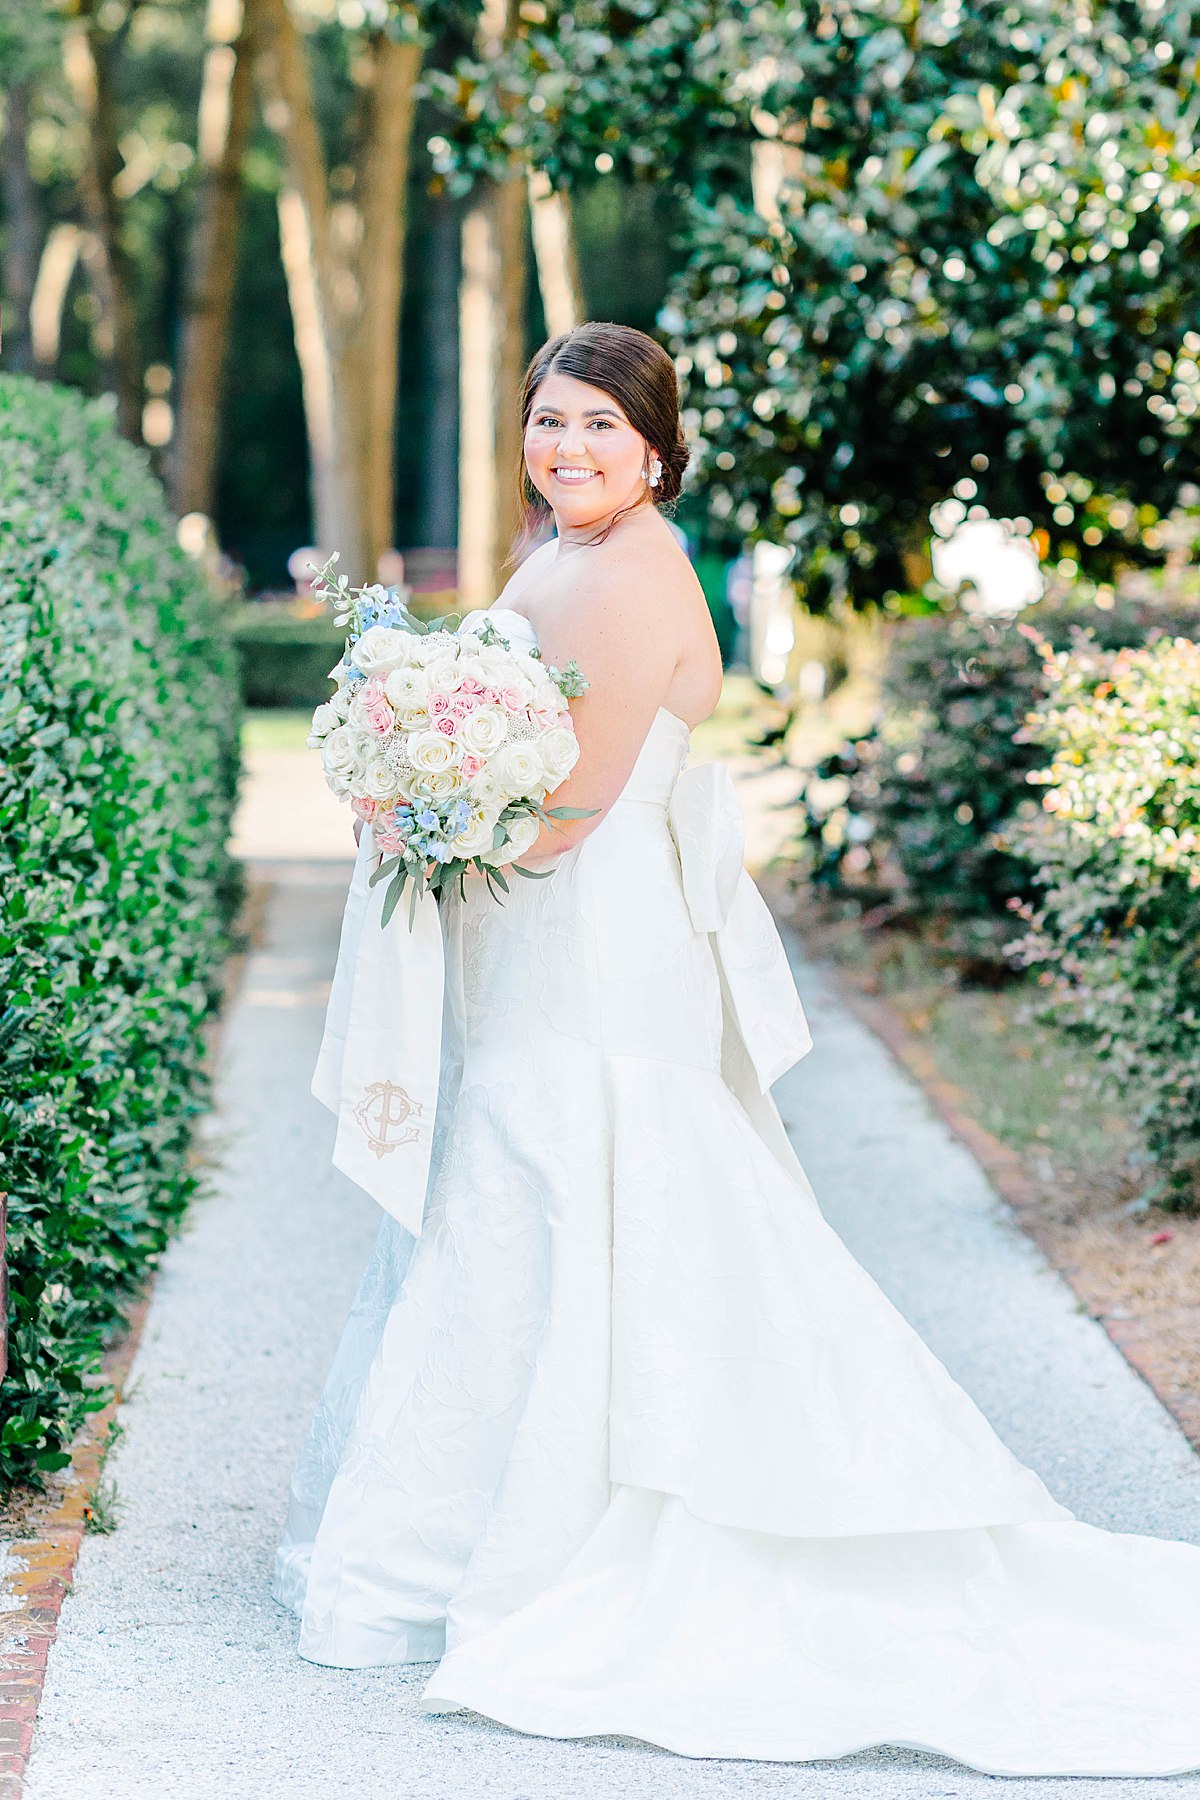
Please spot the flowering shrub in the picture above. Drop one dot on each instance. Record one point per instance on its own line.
(1116, 929)
(1125, 777)
(920, 810)
(117, 776)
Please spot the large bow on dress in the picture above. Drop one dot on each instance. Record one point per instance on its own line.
(708, 826)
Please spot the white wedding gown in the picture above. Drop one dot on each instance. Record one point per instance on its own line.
(630, 1442)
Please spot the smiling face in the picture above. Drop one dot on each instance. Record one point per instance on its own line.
(582, 453)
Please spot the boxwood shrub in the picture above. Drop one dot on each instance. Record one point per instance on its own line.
(118, 770)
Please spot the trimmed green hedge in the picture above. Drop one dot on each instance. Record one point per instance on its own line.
(118, 771)
(284, 654)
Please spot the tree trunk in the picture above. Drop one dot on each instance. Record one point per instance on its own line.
(63, 248)
(89, 57)
(226, 110)
(22, 228)
(439, 474)
(492, 339)
(555, 253)
(373, 347)
(345, 284)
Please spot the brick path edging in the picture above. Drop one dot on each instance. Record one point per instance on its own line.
(41, 1567)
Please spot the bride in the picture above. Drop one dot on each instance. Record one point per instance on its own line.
(625, 1441)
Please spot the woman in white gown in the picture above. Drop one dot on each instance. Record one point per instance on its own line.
(625, 1440)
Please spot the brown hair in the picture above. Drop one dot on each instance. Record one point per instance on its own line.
(640, 375)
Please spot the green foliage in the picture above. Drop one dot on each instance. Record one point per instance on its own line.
(118, 768)
(1116, 929)
(285, 653)
(981, 260)
(657, 91)
(918, 810)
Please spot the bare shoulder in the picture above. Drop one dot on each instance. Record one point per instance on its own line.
(535, 566)
(632, 578)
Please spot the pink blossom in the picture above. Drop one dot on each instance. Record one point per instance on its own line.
(439, 702)
(492, 696)
(389, 838)
(363, 807)
(446, 723)
(471, 684)
(509, 697)
(462, 704)
(470, 766)
(379, 715)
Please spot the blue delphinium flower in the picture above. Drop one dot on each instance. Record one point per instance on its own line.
(428, 818)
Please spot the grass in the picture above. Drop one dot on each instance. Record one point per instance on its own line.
(275, 728)
(1030, 1085)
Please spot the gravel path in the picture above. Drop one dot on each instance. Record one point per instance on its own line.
(174, 1674)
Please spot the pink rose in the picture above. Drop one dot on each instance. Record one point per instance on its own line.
(389, 838)
(446, 723)
(379, 715)
(471, 684)
(470, 766)
(439, 702)
(492, 696)
(462, 704)
(365, 809)
(509, 697)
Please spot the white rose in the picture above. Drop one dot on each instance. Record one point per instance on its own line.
(379, 781)
(483, 731)
(444, 674)
(560, 752)
(407, 688)
(324, 720)
(523, 832)
(338, 784)
(412, 718)
(380, 649)
(476, 668)
(478, 834)
(339, 752)
(497, 666)
(519, 768)
(431, 752)
(439, 784)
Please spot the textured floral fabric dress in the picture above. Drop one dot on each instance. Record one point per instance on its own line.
(627, 1442)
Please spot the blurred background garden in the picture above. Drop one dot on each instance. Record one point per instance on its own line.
(271, 273)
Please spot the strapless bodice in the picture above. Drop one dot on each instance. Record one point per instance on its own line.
(665, 747)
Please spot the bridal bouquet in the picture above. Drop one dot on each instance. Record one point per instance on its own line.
(449, 745)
